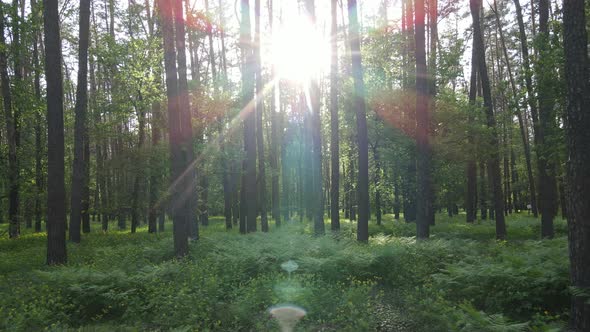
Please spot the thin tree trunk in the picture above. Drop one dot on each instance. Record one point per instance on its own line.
(85, 185)
(316, 202)
(39, 132)
(423, 160)
(377, 179)
(275, 140)
(139, 175)
(249, 186)
(155, 206)
(546, 126)
(80, 127)
(361, 124)
(11, 137)
(471, 199)
(334, 123)
(259, 110)
(493, 159)
(531, 98)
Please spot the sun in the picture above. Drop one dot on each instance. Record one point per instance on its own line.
(299, 51)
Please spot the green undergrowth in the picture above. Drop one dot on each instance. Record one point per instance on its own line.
(459, 280)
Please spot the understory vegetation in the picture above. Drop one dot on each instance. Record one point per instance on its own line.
(459, 280)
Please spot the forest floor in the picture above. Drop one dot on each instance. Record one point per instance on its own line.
(462, 279)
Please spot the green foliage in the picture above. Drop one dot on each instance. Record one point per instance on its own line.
(460, 280)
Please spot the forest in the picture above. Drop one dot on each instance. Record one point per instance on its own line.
(294, 165)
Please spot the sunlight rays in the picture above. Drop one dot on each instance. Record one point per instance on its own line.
(299, 51)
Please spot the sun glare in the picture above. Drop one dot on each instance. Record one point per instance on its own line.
(299, 51)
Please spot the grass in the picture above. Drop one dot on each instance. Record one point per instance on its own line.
(459, 280)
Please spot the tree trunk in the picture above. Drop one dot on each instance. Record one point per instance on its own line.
(259, 111)
(249, 185)
(56, 191)
(11, 137)
(545, 74)
(361, 124)
(493, 159)
(423, 160)
(334, 124)
(139, 175)
(377, 183)
(180, 217)
(471, 199)
(39, 132)
(577, 122)
(531, 99)
(275, 139)
(316, 203)
(80, 127)
(85, 185)
(155, 206)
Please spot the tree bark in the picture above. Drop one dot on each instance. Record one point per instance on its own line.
(56, 191)
(11, 138)
(546, 125)
(493, 157)
(155, 206)
(530, 99)
(423, 160)
(471, 199)
(180, 217)
(249, 186)
(361, 124)
(80, 126)
(259, 110)
(334, 123)
(577, 122)
(316, 203)
(275, 139)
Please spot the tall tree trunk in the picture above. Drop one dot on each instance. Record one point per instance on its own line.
(39, 132)
(11, 137)
(423, 160)
(249, 186)
(396, 191)
(522, 127)
(377, 179)
(361, 124)
(155, 206)
(471, 199)
(432, 90)
(530, 99)
(334, 123)
(139, 174)
(275, 140)
(577, 122)
(288, 196)
(189, 173)
(493, 159)
(85, 185)
(259, 110)
(180, 217)
(56, 191)
(546, 128)
(155, 209)
(317, 203)
(204, 198)
(80, 127)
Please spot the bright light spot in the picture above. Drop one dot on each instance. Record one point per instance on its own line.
(299, 51)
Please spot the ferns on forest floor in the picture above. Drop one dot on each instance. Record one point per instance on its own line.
(462, 279)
